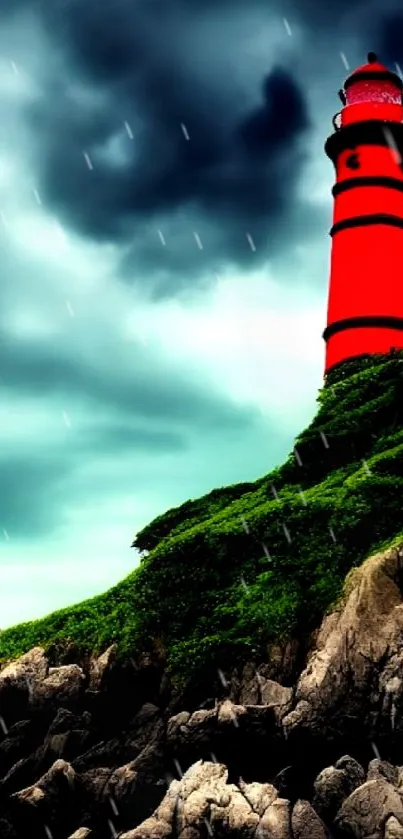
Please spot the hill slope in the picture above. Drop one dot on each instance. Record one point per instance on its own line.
(248, 565)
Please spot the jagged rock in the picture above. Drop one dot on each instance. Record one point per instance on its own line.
(259, 685)
(65, 720)
(146, 729)
(104, 784)
(256, 689)
(59, 769)
(99, 667)
(122, 782)
(94, 782)
(334, 784)
(305, 823)
(62, 739)
(21, 775)
(272, 693)
(300, 715)
(281, 660)
(381, 769)
(30, 682)
(248, 692)
(22, 738)
(228, 713)
(364, 813)
(276, 821)
(18, 681)
(204, 731)
(32, 665)
(50, 801)
(363, 633)
(64, 765)
(63, 683)
(393, 829)
(132, 791)
(205, 798)
(196, 729)
(68, 736)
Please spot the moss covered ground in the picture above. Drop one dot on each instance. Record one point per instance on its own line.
(247, 565)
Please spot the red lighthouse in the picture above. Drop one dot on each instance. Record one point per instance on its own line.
(365, 307)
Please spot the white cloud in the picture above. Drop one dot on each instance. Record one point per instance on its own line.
(248, 335)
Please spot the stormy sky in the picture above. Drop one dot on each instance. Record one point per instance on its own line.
(165, 204)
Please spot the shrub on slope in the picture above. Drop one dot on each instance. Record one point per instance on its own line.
(247, 565)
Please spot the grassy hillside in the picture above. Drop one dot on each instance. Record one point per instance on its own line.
(223, 576)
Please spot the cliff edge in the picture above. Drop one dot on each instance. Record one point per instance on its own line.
(245, 679)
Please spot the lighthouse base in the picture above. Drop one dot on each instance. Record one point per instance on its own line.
(364, 341)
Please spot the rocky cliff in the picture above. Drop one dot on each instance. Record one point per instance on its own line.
(246, 680)
(98, 748)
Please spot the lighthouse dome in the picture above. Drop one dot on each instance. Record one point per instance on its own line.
(373, 83)
(372, 66)
(373, 75)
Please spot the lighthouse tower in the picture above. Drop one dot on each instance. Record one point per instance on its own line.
(365, 306)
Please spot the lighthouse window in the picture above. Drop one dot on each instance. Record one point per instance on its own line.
(373, 91)
(353, 161)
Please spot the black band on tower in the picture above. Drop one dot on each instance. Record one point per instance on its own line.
(367, 133)
(365, 221)
(367, 180)
(366, 321)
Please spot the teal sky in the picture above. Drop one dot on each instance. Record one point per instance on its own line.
(160, 315)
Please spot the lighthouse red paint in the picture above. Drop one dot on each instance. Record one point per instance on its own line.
(365, 306)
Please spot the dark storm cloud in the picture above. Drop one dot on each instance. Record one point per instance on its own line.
(233, 171)
(376, 24)
(155, 66)
(235, 174)
(353, 17)
(391, 38)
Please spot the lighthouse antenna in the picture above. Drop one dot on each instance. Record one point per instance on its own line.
(372, 58)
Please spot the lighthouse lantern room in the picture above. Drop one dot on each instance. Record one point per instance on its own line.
(365, 305)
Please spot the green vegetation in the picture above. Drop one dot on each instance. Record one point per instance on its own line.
(223, 576)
